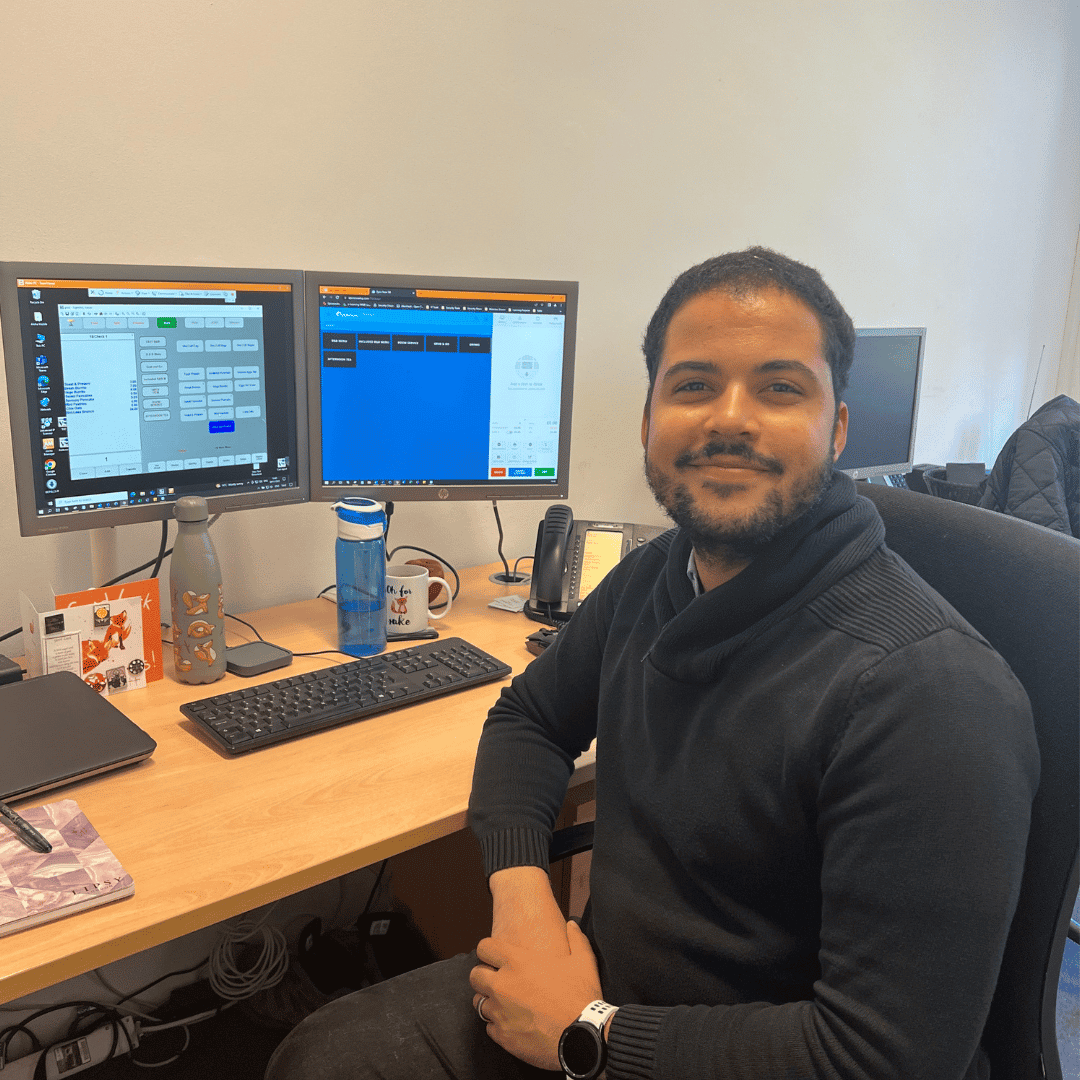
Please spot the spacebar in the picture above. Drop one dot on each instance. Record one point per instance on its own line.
(347, 711)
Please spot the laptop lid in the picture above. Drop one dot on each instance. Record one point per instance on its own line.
(55, 730)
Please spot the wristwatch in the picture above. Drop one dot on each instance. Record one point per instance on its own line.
(582, 1048)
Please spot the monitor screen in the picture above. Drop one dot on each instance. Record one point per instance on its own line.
(439, 388)
(131, 386)
(883, 402)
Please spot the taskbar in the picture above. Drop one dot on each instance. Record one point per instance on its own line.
(108, 500)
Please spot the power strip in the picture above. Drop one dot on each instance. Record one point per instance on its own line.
(66, 1058)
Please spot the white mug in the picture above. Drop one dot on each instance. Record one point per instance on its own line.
(407, 598)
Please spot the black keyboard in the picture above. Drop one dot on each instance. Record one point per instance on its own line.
(272, 712)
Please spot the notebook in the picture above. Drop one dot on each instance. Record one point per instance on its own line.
(79, 873)
(55, 729)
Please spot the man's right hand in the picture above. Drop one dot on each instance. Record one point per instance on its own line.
(525, 913)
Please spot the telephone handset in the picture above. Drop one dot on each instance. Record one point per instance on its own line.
(573, 556)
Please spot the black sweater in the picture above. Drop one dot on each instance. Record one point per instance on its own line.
(813, 793)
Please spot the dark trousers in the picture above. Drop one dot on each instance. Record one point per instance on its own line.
(419, 1026)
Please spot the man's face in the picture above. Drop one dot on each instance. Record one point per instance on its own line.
(741, 429)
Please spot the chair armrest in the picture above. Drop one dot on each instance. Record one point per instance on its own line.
(572, 840)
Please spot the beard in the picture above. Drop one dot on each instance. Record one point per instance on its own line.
(726, 537)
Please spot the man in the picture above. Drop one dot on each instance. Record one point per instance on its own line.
(814, 778)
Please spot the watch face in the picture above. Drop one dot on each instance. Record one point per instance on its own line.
(579, 1050)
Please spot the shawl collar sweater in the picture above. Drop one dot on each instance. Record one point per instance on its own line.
(813, 792)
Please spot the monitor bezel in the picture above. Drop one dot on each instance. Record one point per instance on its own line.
(33, 524)
(523, 489)
(865, 472)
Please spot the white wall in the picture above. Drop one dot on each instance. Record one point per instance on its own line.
(921, 153)
(1068, 380)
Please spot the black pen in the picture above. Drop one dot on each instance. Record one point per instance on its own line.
(24, 830)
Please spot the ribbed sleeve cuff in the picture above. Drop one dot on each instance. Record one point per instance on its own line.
(517, 846)
(631, 1042)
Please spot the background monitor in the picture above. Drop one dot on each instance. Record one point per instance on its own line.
(439, 388)
(130, 386)
(883, 402)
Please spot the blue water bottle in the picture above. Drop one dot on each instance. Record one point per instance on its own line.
(361, 576)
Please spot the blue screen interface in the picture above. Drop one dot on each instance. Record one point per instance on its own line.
(424, 386)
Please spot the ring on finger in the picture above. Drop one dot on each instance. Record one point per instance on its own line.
(480, 1009)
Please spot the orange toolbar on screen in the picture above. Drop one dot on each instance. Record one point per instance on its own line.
(453, 294)
(236, 286)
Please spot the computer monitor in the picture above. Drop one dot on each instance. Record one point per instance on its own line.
(130, 386)
(438, 387)
(883, 402)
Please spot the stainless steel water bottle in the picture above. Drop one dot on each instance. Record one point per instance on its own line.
(198, 600)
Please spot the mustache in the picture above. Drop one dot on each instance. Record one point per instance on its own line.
(740, 450)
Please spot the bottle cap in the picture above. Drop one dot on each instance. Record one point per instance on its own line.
(360, 519)
(190, 508)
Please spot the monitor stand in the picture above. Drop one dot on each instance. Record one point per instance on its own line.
(104, 559)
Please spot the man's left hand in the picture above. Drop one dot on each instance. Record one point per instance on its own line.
(533, 997)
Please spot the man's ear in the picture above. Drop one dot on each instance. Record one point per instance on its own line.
(840, 429)
(645, 418)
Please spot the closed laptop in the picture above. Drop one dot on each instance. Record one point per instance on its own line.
(55, 730)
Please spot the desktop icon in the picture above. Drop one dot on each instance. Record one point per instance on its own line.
(41, 360)
(61, 422)
(35, 293)
(50, 484)
(39, 339)
(47, 445)
(46, 423)
(43, 380)
(50, 465)
(37, 316)
(44, 402)
(63, 442)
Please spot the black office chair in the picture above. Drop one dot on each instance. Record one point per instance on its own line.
(1018, 584)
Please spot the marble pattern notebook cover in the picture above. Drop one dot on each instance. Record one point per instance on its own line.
(79, 873)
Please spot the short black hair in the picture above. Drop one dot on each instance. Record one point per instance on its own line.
(744, 273)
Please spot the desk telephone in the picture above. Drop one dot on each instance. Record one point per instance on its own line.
(573, 556)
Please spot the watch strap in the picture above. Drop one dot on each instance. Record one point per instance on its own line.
(592, 1020)
(596, 1013)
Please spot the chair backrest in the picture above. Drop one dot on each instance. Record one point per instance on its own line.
(1017, 584)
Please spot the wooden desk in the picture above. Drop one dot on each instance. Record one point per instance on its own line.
(207, 836)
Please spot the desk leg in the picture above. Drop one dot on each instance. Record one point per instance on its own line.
(442, 886)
